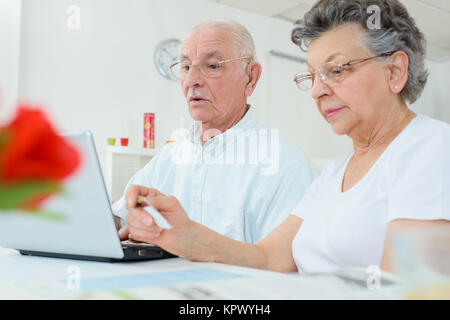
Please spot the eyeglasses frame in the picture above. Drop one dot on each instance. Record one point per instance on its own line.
(298, 79)
(220, 63)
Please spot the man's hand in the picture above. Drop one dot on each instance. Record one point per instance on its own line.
(142, 227)
(123, 231)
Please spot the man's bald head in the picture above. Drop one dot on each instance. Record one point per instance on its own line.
(239, 35)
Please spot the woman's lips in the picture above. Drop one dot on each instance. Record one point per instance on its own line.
(330, 113)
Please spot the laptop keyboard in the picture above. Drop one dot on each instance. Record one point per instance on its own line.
(132, 244)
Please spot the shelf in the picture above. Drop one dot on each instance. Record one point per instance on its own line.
(131, 151)
(120, 164)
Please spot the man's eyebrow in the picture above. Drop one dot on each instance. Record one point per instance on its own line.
(184, 57)
(215, 53)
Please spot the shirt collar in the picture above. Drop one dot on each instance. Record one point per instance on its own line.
(248, 121)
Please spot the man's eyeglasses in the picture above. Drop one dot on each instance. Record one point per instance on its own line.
(332, 72)
(209, 67)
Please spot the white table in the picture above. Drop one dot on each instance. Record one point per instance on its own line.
(27, 277)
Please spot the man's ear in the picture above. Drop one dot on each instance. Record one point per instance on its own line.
(398, 71)
(254, 73)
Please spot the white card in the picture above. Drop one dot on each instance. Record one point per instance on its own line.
(159, 219)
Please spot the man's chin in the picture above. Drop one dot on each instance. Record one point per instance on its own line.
(199, 114)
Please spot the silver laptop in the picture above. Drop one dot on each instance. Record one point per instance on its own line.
(84, 227)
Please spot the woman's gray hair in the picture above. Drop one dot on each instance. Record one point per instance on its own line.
(239, 34)
(397, 31)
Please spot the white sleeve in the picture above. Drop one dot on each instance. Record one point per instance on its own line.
(142, 178)
(419, 180)
(278, 201)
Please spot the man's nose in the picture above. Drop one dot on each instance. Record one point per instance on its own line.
(194, 77)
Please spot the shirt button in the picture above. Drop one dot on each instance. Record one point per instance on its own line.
(197, 197)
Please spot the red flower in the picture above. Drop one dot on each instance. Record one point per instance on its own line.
(37, 151)
(30, 150)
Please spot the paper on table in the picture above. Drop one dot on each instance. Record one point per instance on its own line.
(118, 286)
(36, 277)
(261, 286)
(151, 279)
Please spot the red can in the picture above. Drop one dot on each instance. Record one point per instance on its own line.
(149, 130)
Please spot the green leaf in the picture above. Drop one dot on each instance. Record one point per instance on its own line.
(49, 215)
(37, 214)
(13, 195)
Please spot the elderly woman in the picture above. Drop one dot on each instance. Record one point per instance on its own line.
(397, 176)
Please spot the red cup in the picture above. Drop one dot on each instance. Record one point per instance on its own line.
(124, 142)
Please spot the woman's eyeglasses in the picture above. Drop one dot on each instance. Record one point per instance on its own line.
(332, 72)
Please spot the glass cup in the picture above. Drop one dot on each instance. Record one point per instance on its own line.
(422, 261)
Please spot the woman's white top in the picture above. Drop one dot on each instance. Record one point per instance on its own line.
(410, 180)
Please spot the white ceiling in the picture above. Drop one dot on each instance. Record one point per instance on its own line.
(432, 17)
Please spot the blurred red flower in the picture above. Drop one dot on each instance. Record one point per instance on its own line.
(32, 151)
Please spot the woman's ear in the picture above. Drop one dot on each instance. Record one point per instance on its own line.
(398, 71)
(254, 73)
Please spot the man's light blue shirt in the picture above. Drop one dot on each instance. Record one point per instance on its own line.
(242, 183)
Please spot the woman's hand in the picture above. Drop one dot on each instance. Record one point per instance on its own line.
(141, 226)
(193, 241)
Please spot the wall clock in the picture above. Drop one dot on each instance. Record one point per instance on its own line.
(166, 53)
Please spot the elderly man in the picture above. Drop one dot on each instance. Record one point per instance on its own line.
(239, 189)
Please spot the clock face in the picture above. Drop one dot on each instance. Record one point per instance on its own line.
(166, 53)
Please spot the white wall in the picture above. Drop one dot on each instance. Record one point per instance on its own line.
(102, 76)
(9, 56)
(437, 91)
